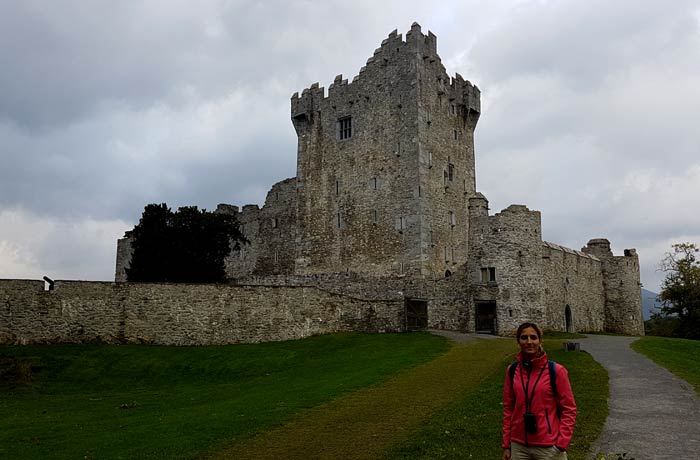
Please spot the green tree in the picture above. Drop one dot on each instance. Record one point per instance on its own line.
(186, 246)
(680, 290)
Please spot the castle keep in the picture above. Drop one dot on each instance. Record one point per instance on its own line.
(384, 208)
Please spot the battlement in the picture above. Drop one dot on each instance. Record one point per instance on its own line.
(397, 51)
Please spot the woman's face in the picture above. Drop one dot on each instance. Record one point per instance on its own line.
(529, 343)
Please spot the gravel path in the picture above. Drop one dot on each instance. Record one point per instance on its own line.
(654, 415)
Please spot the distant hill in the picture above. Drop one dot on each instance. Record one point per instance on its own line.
(649, 303)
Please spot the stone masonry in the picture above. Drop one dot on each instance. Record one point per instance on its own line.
(384, 205)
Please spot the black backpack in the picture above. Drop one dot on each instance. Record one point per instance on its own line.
(552, 376)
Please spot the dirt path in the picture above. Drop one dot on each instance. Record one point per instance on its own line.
(653, 413)
(362, 425)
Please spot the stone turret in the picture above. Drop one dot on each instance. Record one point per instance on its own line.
(622, 287)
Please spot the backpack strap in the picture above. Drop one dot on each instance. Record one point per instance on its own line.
(511, 375)
(551, 365)
(553, 377)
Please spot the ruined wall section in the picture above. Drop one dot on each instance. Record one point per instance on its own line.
(623, 292)
(271, 233)
(624, 295)
(510, 243)
(574, 279)
(182, 314)
(124, 253)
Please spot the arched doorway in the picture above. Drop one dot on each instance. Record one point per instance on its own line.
(567, 316)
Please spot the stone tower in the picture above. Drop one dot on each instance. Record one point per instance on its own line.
(622, 288)
(386, 165)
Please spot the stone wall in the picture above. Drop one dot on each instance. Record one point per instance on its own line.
(448, 300)
(182, 314)
(623, 290)
(572, 279)
(271, 233)
(510, 243)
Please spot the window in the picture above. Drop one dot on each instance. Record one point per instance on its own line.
(450, 172)
(451, 218)
(488, 274)
(374, 183)
(345, 128)
(339, 222)
(275, 222)
(447, 254)
(454, 134)
(337, 188)
(375, 217)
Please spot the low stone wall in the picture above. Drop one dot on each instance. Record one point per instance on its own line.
(182, 314)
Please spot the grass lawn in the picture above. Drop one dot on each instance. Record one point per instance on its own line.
(148, 402)
(364, 424)
(679, 356)
(471, 427)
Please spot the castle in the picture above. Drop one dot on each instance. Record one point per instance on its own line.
(384, 208)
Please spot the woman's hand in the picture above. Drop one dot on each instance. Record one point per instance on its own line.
(506, 454)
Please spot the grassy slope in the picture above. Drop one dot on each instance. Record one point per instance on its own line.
(137, 402)
(679, 356)
(471, 428)
(363, 424)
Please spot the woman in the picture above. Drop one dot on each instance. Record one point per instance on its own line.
(539, 412)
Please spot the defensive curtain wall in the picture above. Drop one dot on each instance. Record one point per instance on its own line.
(182, 314)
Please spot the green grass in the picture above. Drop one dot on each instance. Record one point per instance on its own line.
(145, 402)
(471, 427)
(680, 356)
(363, 424)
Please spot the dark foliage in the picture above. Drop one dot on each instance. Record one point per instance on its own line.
(186, 246)
(680, 291)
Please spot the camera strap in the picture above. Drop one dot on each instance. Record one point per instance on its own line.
(528, 400)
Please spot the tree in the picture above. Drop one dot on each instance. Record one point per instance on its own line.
(188, 245)
(680, 290)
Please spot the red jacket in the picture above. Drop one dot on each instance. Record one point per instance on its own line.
(552, 429)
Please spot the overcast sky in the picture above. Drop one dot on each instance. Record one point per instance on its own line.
(589, 113)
